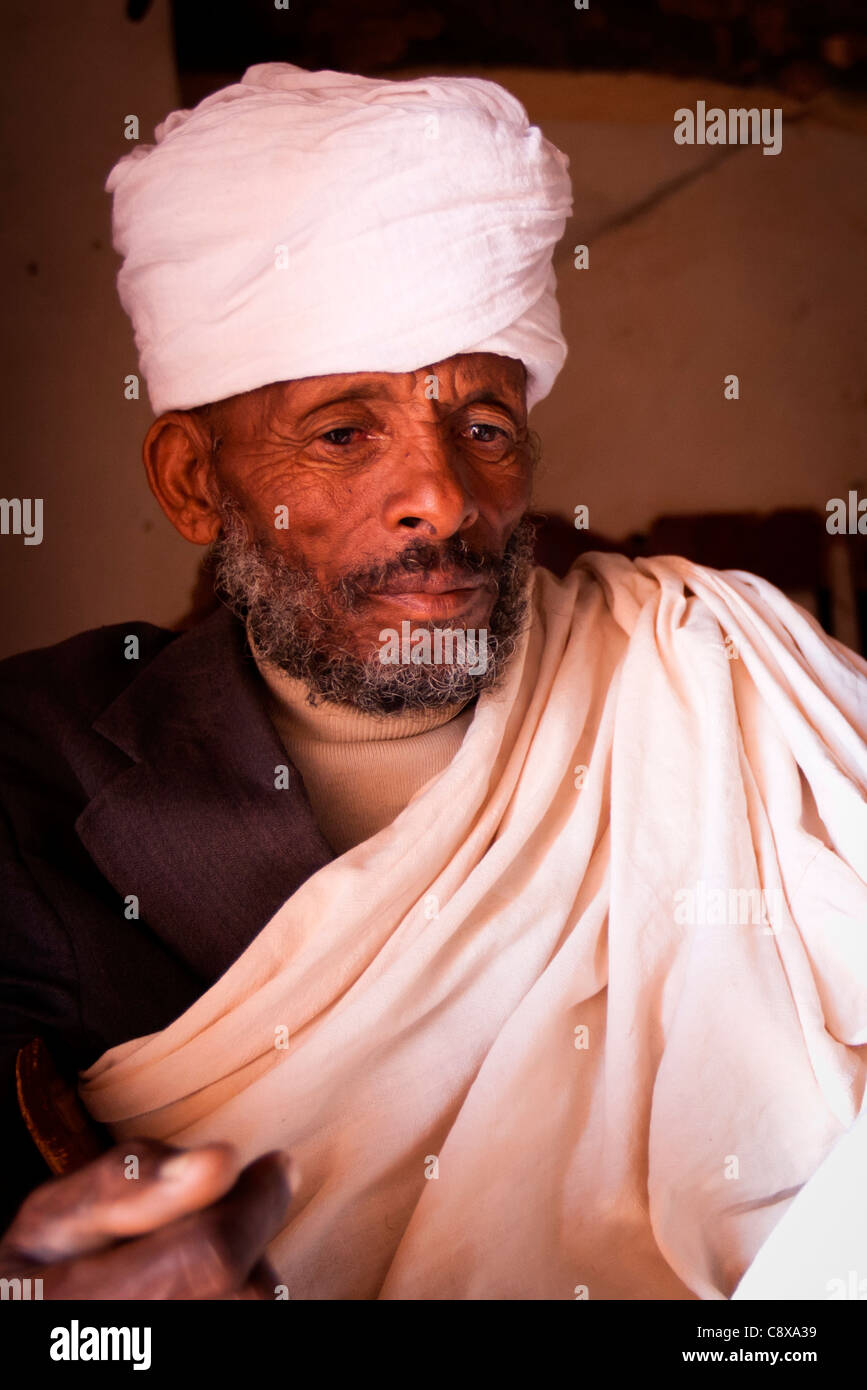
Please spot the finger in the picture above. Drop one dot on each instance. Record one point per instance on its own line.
(134, 1188)
(207, 1254)
(249, 1293)
(260, 1286)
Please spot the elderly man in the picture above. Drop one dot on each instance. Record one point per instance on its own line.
(539, 951)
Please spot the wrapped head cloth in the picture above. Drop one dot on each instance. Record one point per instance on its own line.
(302, 223)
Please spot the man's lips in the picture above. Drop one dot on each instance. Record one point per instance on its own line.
(432, 584)
(436, 595)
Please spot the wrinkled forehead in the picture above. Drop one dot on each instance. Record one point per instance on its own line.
(464, 379)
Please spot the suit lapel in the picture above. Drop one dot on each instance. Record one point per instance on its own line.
(194, 826)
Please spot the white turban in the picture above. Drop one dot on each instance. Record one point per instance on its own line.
(305, 223)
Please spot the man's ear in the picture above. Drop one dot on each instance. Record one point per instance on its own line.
(178, 461)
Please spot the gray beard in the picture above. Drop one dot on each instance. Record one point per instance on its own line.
(302, 629)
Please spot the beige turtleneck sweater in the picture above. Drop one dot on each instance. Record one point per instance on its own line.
(360, 770)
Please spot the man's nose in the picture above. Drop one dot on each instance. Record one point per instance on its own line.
(430, 488)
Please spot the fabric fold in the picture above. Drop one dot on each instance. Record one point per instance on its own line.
(590, 1012)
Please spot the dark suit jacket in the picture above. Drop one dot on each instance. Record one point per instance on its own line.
(155, 778)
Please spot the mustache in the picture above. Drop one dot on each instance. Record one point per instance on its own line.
(453, 556)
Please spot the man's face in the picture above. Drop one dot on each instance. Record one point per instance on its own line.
(351, 503)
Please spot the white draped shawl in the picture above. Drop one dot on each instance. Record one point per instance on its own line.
(527, 1056)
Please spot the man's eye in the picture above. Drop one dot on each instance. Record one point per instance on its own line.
(482, 433)
(340, 435)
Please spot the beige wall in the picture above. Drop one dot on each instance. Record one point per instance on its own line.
(736, 262)
(702, 262)
(72, 73)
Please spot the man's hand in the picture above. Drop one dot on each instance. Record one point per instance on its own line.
(189, 1226)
